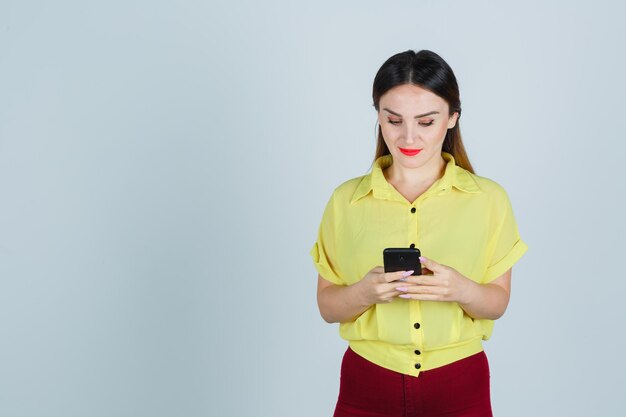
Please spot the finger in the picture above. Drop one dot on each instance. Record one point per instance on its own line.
(396, 276)
(378, 269)
(389, 296)
(413, 289)
(390, 289)
(430, 280)
(431, 265)
(398, 284)
(423, 289)
(424, 280)
(402, 287)
(421, 297)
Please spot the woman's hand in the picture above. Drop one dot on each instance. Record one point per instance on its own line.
(377, 286)
(344, 303)
(437, 283)
(442, 283)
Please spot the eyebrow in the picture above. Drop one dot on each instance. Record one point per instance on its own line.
(417, 117)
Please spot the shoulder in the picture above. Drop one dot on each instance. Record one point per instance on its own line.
(488, 185)
(482, 188)
(338, 204)
(344, 192)
(491, 191)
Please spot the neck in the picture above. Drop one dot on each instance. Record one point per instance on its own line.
(426, 174)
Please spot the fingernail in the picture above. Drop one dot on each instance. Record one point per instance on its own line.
(403, 289)
(403, 279)
(404, 296)
(407, 273)
(422, 258)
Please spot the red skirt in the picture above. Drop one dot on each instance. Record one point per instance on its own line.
(460, 389)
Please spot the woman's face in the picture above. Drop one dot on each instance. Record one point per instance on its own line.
(414, 122)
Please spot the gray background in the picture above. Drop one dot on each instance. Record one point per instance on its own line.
(164, 167)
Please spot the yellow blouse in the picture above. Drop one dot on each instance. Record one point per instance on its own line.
(463, 221)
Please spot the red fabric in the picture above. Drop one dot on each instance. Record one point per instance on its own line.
(460, 389)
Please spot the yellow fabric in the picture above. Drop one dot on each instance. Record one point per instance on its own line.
(463, 220)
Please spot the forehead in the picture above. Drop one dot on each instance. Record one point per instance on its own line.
(411, 99)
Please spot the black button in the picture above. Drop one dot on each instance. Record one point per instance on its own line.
(417, 352)
(412, 245)
(416, 325)
(413, 210)
(418, 366)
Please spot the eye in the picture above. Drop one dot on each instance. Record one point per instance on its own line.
(394, 122)
(427, 123)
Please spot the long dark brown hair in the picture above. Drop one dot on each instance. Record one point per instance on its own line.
(428, 70)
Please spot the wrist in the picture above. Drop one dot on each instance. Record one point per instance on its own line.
(359, 295)
(471, 292)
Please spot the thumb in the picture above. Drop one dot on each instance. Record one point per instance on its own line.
(430, 264)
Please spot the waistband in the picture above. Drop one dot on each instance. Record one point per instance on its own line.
(403, 359)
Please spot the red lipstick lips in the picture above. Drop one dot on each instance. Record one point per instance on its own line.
(410, 152)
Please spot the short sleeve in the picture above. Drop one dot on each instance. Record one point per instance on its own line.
(325, 248)
(506, 246)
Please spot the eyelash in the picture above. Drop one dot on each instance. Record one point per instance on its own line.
(396, 123)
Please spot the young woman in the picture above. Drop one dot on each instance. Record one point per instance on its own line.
(415, 341)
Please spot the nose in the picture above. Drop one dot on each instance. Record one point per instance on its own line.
(410, 133)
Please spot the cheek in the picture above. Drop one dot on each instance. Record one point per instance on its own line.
(388, 134)
(438, 134)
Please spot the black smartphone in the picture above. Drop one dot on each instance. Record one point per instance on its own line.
(402, 259)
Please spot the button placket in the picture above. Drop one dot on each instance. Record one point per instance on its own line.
(415, 313)
(412, 232)
(417, 352)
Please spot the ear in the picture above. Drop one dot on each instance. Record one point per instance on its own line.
(452, 119)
